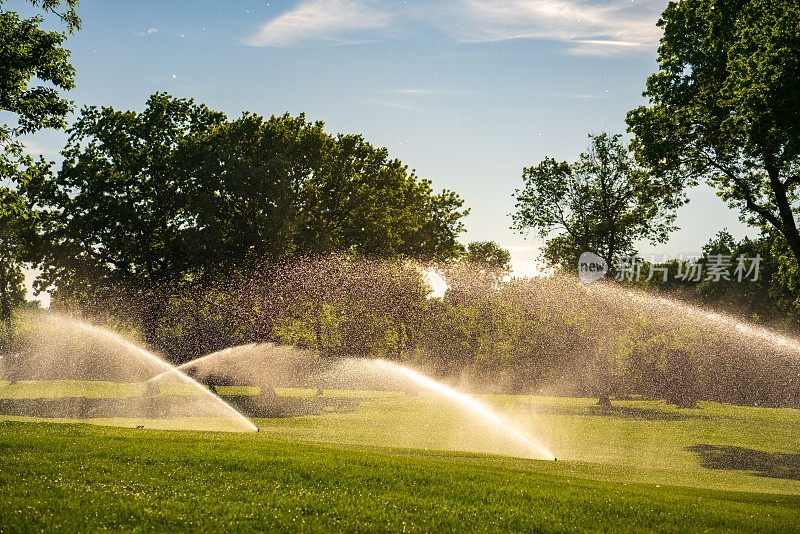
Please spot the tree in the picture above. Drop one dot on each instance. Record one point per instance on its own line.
(118, 213)
(178, 197)
(490, 256)
(359, 200)
(31, 53)
(724, 106)
(754, 289)
(14, 221)
(28, 55)
(603, 203)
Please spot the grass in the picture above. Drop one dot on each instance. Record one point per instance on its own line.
(645, 441)
(82, 477)
(385, 466)
(68, 388)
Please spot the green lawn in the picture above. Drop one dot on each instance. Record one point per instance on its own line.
(82, 477)
(385, 466)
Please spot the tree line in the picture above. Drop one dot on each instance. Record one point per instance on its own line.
(202, 230)
(179, 196)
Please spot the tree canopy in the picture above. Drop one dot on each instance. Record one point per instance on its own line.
(602, 203)
(178, 195)
(34, 70)
(16, 225)
(490, 256)
(724, 106)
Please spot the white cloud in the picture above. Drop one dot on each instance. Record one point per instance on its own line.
(149, 31)
(320, 20)
(416, 91)
(597, 28)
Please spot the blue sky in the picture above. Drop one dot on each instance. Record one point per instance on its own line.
(467, 92)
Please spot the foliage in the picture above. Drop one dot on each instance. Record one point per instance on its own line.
(490, 256)
(32, 53)
(178, 197)
(34, 67)
(767, 296)
(14, 221)
(602, 203)
(725, 107)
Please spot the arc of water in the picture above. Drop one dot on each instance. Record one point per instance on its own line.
(765, 334)
(471, 404)
(197, 361)
(121, 341)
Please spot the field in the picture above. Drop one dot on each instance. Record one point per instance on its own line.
(385, 466)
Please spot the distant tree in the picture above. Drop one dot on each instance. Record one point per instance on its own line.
(760, 295)
(725, 107)
(681, 379)
(34, 67)
(601, 203)
(489, 255)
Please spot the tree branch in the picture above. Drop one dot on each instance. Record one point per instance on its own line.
(749, 200)
(791, 181)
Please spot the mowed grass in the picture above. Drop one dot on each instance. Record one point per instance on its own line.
(389, 464)
(639, 441)
(72, 477)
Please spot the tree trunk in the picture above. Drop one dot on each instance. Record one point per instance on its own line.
(318, 327)
(6, 325)
(5, 297)
(154, 308)
(788, 224)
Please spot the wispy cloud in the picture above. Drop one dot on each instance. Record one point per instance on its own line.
(401, 105)
(319, 20)
(149, 31)
(421, 91)
(596, 28)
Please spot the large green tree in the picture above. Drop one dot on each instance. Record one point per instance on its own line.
(178, 196)
(34, 70)
(724, 106)
(360, 200)
(602, 203)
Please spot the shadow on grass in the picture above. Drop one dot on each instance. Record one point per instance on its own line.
(644, 414)
(763, 464)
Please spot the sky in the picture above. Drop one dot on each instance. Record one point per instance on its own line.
(466, 92)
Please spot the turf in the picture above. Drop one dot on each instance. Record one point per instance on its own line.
(383, 467)
(639, 441)
(81, 477)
